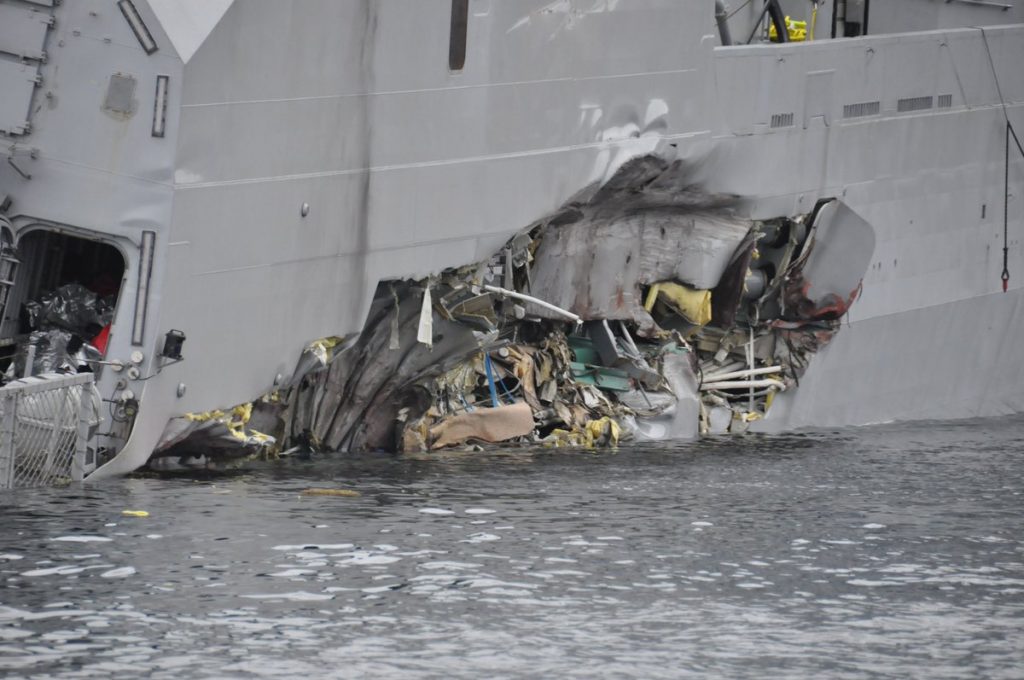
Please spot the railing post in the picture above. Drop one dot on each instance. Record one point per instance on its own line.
(79, 466)
(8, 416)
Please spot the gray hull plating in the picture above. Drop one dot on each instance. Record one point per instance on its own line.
(348, 108)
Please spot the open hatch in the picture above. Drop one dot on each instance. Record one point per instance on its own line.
(60, 292)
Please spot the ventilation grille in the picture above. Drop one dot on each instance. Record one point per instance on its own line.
(862, 109)
(781, 120)
(914, 104)
(945, 101)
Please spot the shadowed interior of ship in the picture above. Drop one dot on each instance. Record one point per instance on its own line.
(62, 284)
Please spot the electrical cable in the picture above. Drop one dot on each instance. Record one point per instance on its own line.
(736, 11)
(1005, 275)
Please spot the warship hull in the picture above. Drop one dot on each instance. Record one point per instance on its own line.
(261, 167)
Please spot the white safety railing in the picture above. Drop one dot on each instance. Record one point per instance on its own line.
(44, 430)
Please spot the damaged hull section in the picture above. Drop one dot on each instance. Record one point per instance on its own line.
(645, 309)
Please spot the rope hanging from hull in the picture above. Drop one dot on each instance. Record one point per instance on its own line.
(1010, 132)
(1005, 276)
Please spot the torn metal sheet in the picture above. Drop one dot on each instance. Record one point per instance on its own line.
(674, 415)
(735, 311)
(646, 225)
(839, 251)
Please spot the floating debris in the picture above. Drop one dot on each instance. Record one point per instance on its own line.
(343, 493)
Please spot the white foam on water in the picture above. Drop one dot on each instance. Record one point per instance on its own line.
(568, 572)
(292, 573)
(480, 511)
(83, 539)
(497, 583)
(366, 559)
(54, 571)
(436, 511)
(297, 596)
(903, 569)
(481, 538)
(120, 572)
(450, 565)
(865, 583)
(992, 539)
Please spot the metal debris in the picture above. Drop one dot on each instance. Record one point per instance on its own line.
(648, 309)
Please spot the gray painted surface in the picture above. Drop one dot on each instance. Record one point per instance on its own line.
(348, 105)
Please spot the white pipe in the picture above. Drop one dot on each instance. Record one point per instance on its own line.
(750, 362)
(708, 367)
(628, 339)
(743, 384)
(736, 375)
(569, 316)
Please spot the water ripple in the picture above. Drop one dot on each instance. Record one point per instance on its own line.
(881, 552)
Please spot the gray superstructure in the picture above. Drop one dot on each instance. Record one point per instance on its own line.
(260, 166)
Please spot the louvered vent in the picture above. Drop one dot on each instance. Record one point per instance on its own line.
(914, 104)
(781, 120)
(945, 101)
(861, 109)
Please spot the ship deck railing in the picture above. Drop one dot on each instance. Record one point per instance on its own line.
(44, 430)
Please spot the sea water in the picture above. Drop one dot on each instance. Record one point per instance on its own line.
(893, 551)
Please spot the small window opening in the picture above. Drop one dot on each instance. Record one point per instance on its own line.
(63, 302)
(457, 38)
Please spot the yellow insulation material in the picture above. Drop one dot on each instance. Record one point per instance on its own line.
(234, 421)
(693, 305)
(594, 434)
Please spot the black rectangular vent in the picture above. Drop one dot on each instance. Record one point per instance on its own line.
(138, 26)
(861, 109)
(781, 120)
(945, 101)
(160, 106)
(914, 104)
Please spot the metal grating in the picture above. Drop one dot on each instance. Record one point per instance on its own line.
(781, 120)
(44, 427)
(915, 104)
(945, 101)
(862, 109)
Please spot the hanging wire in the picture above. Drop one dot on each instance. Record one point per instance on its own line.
(1005, 276)
(1010, 132)
(736, 11)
